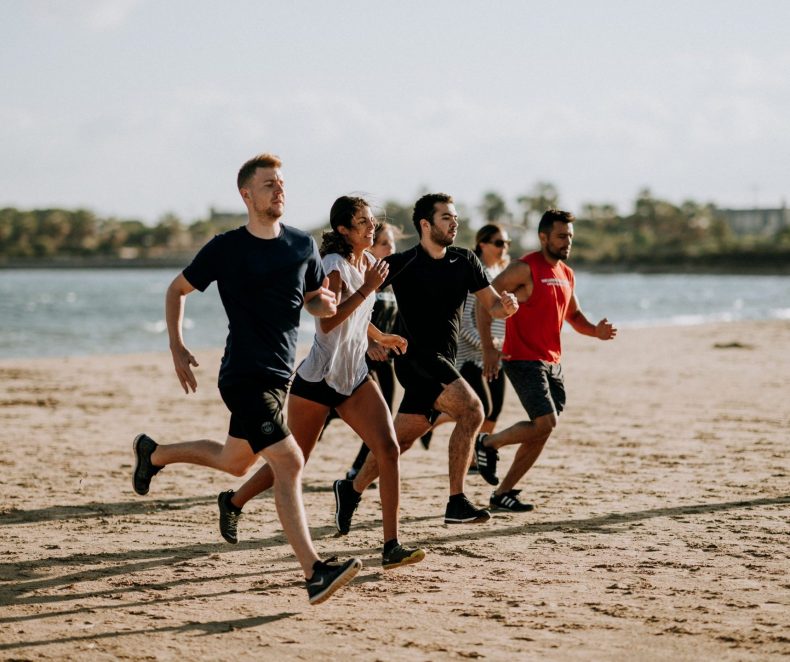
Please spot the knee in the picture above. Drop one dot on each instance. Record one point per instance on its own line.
(239, 467)
(474, 414)
(288, 465)
(545, 425)
(388, 453)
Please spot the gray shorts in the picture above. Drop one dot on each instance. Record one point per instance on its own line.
(539, 386)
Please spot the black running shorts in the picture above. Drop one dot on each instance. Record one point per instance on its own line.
(423, 379)
(539, 386)
(256, 413)
(321, 392)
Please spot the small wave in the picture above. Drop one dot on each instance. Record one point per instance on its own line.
(160, 326)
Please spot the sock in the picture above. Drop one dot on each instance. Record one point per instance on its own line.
(390, 545)
(457, 497)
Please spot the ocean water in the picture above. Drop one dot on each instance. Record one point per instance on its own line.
(116, 311)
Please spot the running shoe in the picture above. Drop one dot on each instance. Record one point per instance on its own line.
(486, 459)
(143, 446)
(229, 517)
(510, 501)
(400, 555)
(329, 576)
(346, 502)
(461, 511)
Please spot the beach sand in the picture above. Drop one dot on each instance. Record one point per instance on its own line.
(660, 533)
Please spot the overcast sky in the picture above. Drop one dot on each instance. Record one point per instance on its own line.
(135, 108)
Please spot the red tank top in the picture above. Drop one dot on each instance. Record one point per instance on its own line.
(533, 333)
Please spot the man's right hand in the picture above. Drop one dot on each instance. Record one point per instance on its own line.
(183, 362)
(492, 362)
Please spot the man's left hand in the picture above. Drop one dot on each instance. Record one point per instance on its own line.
(604, 330)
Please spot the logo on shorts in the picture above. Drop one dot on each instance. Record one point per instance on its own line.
(267, 427)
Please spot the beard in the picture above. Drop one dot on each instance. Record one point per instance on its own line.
(559, 256)
(439, 238)
(271, 212)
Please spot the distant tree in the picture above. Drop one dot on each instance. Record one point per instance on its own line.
(543, 196)
(494, 209)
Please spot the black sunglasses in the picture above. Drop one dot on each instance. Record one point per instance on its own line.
(499, 243)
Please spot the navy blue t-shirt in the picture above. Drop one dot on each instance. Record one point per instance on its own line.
(431, 294)
(261, 283)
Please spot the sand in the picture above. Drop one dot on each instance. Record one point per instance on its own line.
(660, 533)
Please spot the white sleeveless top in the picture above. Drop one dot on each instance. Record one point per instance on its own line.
(339, 356)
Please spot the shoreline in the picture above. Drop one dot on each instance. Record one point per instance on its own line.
(777, 267)
(303, 345)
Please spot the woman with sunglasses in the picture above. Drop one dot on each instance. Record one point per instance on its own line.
(491, 246)
(334, 375)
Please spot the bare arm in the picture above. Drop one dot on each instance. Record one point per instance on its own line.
(374, 276)
(577, 319)
(321, 302)
(174, 316)
(516, 278)
(380, 343)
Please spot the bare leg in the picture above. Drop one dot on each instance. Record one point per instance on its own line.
(235, 456)
(532, 437)
(305, 419)
(488, 426)
(367, 414)
(286, 462)
(460, 401)
(408, 428)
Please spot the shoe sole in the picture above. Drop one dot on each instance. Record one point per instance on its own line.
(415, 557)
(511, 510)
(474, 520)
(232, 541)
(135, 443)
(340, 582)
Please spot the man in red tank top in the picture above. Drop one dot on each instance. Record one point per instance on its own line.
(544, 287)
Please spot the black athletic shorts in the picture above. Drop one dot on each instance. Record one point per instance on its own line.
(321, 392)
(423, 379)
(491, 393)
(256, 412)
(539, 386)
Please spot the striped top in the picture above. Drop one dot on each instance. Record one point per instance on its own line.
(469, 348)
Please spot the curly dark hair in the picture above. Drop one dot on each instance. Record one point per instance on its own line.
(342, 212)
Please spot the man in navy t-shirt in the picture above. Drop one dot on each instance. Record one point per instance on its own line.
(265, 272)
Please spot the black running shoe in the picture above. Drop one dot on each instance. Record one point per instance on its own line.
(329, 576)
(486, 459)
(400, 555)
(346, 502)
(229, 517)
(461, 511)
(426, 439)
(143, 446)
(510, 501)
